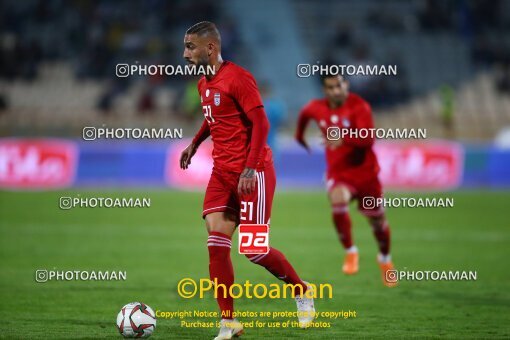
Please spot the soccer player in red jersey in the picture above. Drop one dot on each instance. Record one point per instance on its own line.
(352, 167)
(243, 180)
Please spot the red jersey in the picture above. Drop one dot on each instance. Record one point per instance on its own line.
(354, 159)
(226, 99)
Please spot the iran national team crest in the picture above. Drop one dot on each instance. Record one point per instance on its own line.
(217, 99)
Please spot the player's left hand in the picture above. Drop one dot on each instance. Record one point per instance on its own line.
(247, 182)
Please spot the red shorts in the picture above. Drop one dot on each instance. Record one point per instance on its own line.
(368, 193)
(222, 195)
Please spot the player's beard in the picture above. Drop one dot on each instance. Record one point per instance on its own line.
(203, 61)
(338, 101)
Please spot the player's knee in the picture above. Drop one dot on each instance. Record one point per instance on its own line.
(224, 227)
(340, 195)
(220, 222)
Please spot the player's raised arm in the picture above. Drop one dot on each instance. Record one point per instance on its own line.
(191, 149)
(301, 128)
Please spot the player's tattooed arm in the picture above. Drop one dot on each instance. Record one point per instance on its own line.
(247, 182)
(248, 173)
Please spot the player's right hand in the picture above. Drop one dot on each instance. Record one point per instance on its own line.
(187, 154)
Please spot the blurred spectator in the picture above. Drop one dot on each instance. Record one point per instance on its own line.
(503, 77)
(343, 35)
(229, 39)
(113, 89)
(18, 59)
(387, 19)
(436, 15)
(190, 106)
(3, 103)
(483, 52)
(146, 102)
(486, 14)
(366, 86)
(360, 56)
(447, 103)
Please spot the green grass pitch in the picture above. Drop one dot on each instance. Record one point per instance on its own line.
(160, 245)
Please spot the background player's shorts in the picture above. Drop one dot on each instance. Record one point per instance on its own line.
(222, 195)
(368, 193)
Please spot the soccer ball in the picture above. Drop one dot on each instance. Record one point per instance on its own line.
(136, 320)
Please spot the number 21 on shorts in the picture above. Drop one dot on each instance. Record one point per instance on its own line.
(253, 239)
(246, 211)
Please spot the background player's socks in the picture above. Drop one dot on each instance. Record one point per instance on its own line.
(382, 235)
(342, 222)
(384, 258)
(220, 267)
(352, 249)
(276, 263)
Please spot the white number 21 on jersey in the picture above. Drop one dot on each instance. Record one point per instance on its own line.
(208, 113)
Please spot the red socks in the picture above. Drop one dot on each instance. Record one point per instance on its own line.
(276, 263)
(382, 235)
(220, 267)
(342, 222)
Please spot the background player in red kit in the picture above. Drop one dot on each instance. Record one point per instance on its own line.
(352, 167)
(243, 179)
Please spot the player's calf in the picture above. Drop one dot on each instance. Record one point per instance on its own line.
(219, 243)
(278, 265)
(221, 270)
(381, 231)
(340, 197)
(343, 227)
